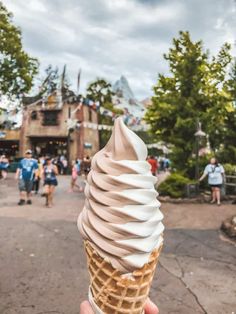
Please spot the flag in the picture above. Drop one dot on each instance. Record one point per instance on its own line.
(63, 76)
(78, 81)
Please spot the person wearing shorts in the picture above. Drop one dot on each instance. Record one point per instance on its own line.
(25, 176)
(215, 173)
(50, 173)
(4, 165)
(154, 165)
(76, 167)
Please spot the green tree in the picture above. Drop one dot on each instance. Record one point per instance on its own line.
(227, 151)
(51, 82)
(101, 91)
(17, 68)
(194, 91)
(48, 84)
(232, 82)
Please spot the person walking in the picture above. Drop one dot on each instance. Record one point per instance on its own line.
(154, 165)
(161, 163)
(64, 164)
(216, 175)
(166, 164)
(76, 168)
(50, 173)
(4, 165)
(25, 174)
(37, 177)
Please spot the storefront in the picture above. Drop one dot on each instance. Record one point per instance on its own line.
(52, 128)
(9, 148)
(53, 146)
(9, 143)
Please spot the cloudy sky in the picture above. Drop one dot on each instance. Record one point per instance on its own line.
(110, 38)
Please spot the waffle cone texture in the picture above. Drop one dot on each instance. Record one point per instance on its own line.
(113, 293)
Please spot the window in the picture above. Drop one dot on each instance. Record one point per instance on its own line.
(34, 115)
(50, 118)
(90, 115)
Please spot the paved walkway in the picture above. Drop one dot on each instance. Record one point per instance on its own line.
(43, 267)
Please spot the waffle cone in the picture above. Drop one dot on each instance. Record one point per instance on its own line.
(113, 293)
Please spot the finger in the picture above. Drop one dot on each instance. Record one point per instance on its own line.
(150, 308)
(85, 308)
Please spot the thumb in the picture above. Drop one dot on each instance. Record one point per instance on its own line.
(150, 307)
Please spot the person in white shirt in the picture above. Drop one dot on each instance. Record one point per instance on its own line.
(215, 173)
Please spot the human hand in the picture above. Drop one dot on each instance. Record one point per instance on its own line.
(150, 308)
(85, 308)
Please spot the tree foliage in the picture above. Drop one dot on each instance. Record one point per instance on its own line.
(232, 82)
(51, 81)
(227, 151)
(195, 90)
(101, 91)
(174, 185)
(17, 68)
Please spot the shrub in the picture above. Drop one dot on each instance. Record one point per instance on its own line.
(174, 185)
(230, 169)
(191, 165)
(228, 153)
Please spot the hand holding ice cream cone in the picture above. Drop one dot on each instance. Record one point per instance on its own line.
(121, 225)
(149, 308)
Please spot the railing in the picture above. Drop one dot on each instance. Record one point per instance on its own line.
(192, 190)
(230, 184)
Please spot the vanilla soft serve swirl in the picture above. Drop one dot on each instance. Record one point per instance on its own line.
(121, 217)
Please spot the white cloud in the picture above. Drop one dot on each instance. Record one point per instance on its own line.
(109, 38)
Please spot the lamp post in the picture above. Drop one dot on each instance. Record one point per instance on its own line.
(198, 135)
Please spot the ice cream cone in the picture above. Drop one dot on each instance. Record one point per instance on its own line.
(121, 224)
(111, 292)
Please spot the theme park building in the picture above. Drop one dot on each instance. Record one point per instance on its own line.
(53, 126)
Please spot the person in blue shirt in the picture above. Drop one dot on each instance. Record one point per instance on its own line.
(216, 177)
(25, 176)
(4, 165)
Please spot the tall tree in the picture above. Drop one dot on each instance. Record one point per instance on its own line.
(227, 151)
(232, 83)
(17, 68)
(193, 92)
(101, 91)
(52, 80)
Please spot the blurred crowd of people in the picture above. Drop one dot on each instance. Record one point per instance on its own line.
(158, 164)
(34, 174)
(40, 174)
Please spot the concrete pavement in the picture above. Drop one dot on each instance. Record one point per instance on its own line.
(43, 267)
